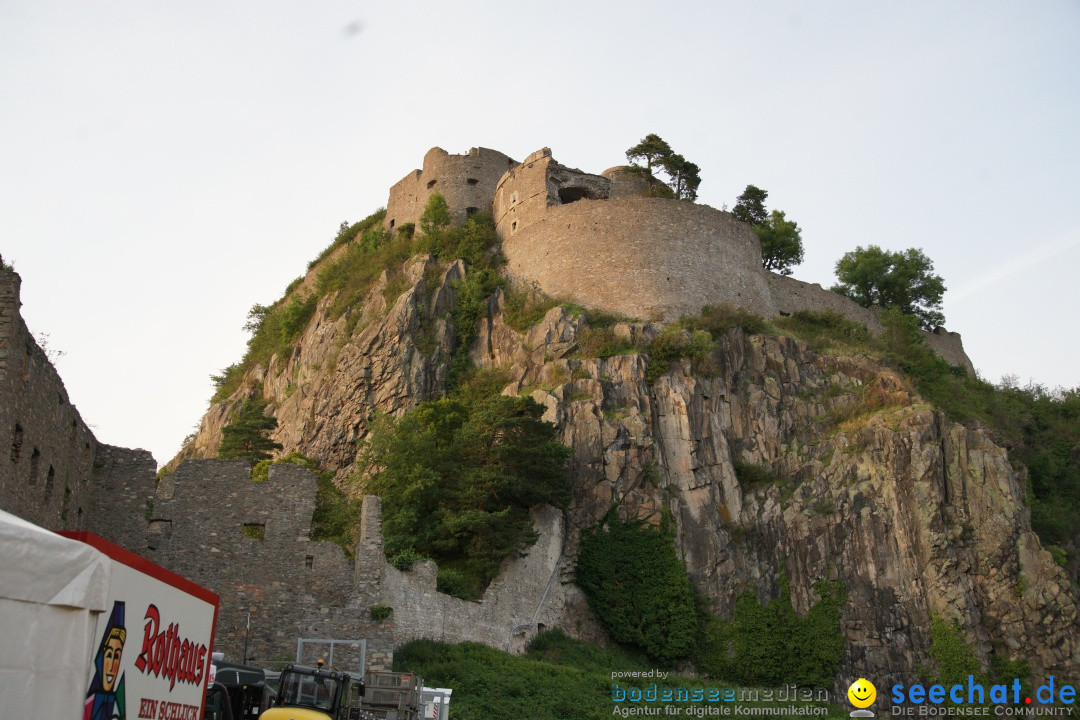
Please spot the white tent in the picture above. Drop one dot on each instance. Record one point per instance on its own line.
(51, 591)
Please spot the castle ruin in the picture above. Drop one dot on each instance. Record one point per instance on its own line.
(604, 242)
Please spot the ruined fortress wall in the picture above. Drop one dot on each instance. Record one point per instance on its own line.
(641, 257)
(527, 595)
(626, 182)
(791, 295)
(465, 181)
(53, 471)
(293, 587)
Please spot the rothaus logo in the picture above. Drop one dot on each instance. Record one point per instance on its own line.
(166, 654)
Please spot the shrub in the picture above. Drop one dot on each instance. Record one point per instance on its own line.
(458, 475)
(380, 612)
(453, 582)
(637, 587)
(751, 475)
(772, 645)
(952, 658)
(405, 559)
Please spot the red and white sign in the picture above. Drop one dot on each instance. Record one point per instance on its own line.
(154, 641)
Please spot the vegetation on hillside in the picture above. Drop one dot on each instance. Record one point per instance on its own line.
(457, 477)
(558, 678)
(637, 587)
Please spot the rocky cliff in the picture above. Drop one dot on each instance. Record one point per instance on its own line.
(856, 478)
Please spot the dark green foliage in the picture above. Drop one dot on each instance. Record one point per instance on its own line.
(245, 437)
(652, 149)
(684, 177)
(772, 645)
(452, 582)
(637, 587)
(227, 381)
(557, 679)
(953, 659)
(458, 475)
(904, 280)
(781, 243)
(824, 330)
(781, 239)
(752, 476)
(405, 559)
(674, 343)
(380, 612)
(524, 308)
(718, 320)
(750, 206)
(337, 516)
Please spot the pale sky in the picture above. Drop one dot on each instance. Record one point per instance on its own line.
(167, 165)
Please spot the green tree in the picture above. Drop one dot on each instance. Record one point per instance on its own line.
(781, 239)
(684, 177)
(436, 215)
(652, 149)
(458, 475)
(245, 437)
(750, 206)
(903, 279)
(637, 587)
(781, 243)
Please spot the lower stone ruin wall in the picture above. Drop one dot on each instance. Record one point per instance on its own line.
(249, 542)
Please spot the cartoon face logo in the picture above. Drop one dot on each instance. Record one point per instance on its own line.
(862, 693)
(114, 649)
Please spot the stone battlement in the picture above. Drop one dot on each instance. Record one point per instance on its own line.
(603, 241)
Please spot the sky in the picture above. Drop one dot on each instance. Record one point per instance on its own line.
(165, 166)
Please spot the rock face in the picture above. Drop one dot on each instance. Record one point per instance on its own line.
(341, 375)
(857, 479)
(916, 515)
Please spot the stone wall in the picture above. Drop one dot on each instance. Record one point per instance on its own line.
(790, 295)
(250, 543)
(527, 596)
(647, 258)
(598, 240)
(54, 472)
(467, 182)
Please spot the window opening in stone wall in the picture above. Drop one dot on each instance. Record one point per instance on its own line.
(27, 363)
(431, 184)
(513, 226)
(50, 479)
(472, 181)
(471, 211)
(74, 427)
(572, 194)
(255, 531)
(35, 460)
(16, 443)
(392, 224)
(309, 562)
(64, 504)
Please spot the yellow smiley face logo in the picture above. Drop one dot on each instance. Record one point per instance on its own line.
(862, 693)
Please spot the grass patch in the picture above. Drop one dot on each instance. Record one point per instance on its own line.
(558, 678)
(824, 332)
